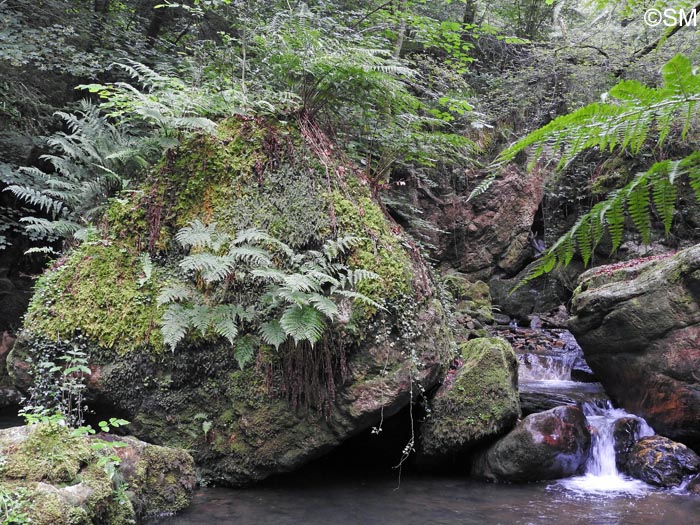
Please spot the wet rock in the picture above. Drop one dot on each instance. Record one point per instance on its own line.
(478, 401)
(660, 461)
(540, 296)
(548, 445)
(160, 479)
(638, 323)
(485, 235)
(625, 434)
(65, 480)
(9, 395)
(472, 304)
(694, 485)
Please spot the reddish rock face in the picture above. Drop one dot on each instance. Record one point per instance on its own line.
(639, 327)
(489, 233)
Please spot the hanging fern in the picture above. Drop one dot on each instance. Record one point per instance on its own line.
(89, 164)
(630, 116)
(291, 296)
(655, 188)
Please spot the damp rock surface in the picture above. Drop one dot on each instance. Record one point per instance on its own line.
(547, 445)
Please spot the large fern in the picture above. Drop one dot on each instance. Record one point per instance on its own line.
(631, 116)
(254, 289)
(89, 163)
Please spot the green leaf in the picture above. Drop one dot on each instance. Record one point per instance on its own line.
(272, 333)
(245, 349)
(303, 323)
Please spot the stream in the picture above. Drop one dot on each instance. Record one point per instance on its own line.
(325, 494)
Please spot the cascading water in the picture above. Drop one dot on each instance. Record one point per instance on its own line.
(546, 372)
(602, 476)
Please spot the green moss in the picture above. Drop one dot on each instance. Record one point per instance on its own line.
(157, 480)
(96, 289)
(481, 402)
(50, 453)
(380, 250)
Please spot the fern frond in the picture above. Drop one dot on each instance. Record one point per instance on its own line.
(632, 114)
(655, 188)
(224, 322)
(174, 325)
(174, 293)
(303, 323)
(197, 235)
(272, 333)
(244, 350)
(482, 187)
(638, 206)
(324, 305)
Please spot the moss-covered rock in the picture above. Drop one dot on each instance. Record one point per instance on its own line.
(478, 401)
(51, 476)
(293, 404)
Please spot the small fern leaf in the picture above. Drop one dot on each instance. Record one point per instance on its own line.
(174, 293)
(244, 350)
(196, 235)
(664, 191)
(584, 238)
(272, 333)
(175, 325)
(224, 323)
(615, 220)
(324, 305)
(303, 323)
(638, 206)
(200, 318)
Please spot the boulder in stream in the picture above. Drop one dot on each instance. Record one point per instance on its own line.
(660, 461)
(478, 401)
(547, 445)
(638, 323)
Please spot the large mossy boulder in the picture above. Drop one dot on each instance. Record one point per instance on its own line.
(639, 326)
(478, 401)
(547, 445)
(288, 405)
(51, 476)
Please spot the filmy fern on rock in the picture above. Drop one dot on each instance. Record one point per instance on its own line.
(631, 116)
(253, 289)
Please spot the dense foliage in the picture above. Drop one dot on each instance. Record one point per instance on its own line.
(421, 97)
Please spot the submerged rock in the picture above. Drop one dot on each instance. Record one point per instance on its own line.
(290, 404)
(660, 461)
(53, 477)
(478, 401)
(548, 445)
(639, 326)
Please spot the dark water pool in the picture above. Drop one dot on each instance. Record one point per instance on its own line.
(331, 497)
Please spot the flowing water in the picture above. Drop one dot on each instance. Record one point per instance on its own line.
(325, 494)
